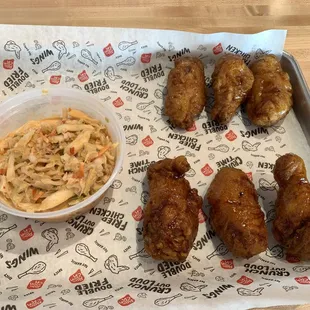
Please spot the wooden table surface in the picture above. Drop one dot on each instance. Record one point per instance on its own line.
(204, 16)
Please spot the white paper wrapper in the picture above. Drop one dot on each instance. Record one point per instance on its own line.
(127, 69)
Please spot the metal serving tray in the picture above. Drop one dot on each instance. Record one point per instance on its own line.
(301, 92)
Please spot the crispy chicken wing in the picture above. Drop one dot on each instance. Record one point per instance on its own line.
(291, 226)
(235, 214)
(171, 214)
(271, 96)
(232, 81)
(186, 96)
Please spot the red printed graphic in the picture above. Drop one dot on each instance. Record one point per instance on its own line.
(118, 102)
(206, 170)
(34, 303)
(227, 264)
(193, 128)
(83, 76)
(146, 58)
(35, 284)
(108, 50)
(292, 259)
(55, 79)
(147, 141)
(138, 214)
(77, 277)
(8, 64)
(249, 175)
(231, 136)
(302, 280)
(245, 280)
(201, 217)
(26, 233)
(217, 49)
(126, 300)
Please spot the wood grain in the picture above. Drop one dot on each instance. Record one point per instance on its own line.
(203, 16)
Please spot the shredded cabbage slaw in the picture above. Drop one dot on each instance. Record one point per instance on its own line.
(50, 164)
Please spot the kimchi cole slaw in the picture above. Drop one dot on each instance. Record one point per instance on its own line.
(53, 168)
(54, 163)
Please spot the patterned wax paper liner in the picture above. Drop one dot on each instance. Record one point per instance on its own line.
(97, 260)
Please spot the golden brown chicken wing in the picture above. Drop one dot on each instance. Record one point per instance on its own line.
(187, 93)
(171, 214)
(271, 96)
(232, 82)
(235, 214)
(291, 227)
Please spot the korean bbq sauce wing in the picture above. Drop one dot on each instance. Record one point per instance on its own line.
(187, 93)
(271, 96)
(171, 213)
(235, 214)
(291, 226)
(232, 82)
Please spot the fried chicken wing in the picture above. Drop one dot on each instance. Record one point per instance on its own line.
(291, 227)
(187, 93)
(235, 214)
(271, 96)
(171, 214)
(232, 82)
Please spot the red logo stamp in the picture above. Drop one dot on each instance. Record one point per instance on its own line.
(26, 233)
(8, 64)
(292, 259)
(201, 216)
(193, 128)
(227, 264)
(147, 141)
(138, 214)
(118, 102)
(83, 76)
(34, 303)
(35, 284)
(245, 280)
(77, 277)
(302, 280)
(249, 175)
(55, 79)
(206, 170)
(218, 49)
(108, 50)
(146, 58)
(231, 136)
(126, 300)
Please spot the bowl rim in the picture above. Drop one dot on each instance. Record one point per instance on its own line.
(67, 92)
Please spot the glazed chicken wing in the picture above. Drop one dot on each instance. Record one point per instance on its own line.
(271, 95)
(235, 214)
(186, 96)
(232, 81)
(171, 214)
(291, 226)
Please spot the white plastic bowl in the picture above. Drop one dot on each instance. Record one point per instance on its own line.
(38, 104)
